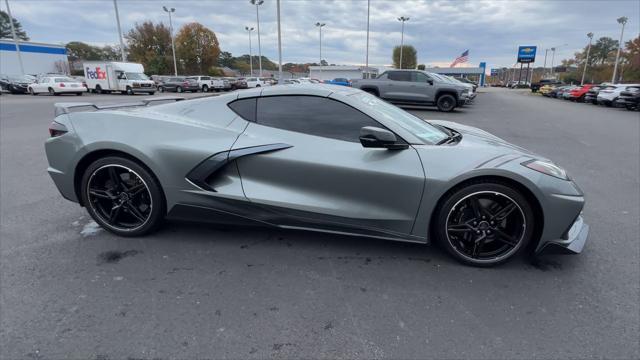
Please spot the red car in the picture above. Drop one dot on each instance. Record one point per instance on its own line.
(579, 93)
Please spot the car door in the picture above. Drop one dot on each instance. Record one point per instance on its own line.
(422, 88)
(300, 159)
(398, 86)
(40, 86)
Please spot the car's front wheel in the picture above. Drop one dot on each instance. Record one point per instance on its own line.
(122, 196)
(484, 224)
(446, 103)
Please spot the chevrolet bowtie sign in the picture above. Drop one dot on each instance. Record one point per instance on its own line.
(526, 54)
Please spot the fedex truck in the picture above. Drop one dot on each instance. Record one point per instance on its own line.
(109, 76)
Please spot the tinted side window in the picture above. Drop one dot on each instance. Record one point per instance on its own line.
(245, 108)
(420, 77)
(400, 75)
(313, 115)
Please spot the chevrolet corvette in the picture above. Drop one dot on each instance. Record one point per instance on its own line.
(315, 157)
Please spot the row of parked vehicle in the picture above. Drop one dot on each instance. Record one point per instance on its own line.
(607, 94)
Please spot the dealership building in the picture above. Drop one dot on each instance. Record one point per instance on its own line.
(330, 72)
(37, 58)
(472, 73)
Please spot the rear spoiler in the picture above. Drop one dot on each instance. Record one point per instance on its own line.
(65, 108)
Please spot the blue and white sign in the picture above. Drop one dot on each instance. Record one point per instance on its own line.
(494, 72)
(526, 54)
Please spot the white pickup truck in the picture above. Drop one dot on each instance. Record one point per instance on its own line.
(208, 83)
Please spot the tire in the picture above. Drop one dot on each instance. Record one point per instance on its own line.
(258, 85)
(373, 92)
(179, 89)
(33, 93)
(51, 92)
(151, 92)
(455, 226)
(205, 88)
(98, 90)
(79, 94)
(446, 103)
(129, 90)
(161, 89)
(133, 214)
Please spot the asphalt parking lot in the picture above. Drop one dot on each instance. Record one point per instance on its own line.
(71, 290)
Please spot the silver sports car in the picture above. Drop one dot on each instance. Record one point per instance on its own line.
(315, 157)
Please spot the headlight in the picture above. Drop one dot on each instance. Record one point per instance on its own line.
(547, 168)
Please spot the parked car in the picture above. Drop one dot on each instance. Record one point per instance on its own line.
(537, 85)
(339, 81)
(16, 84)
(415, 87)
(179, 84)
(290, 81)
(253, 82)
(630, 97)
(208, 83)
(82, 80)
(56, 85)
(578, 94)
(236, 83)
(472, 89)
(592, 95)
(566, 94)
(558, 91)
(608, 95)
(317, 158)
(158, 79)
(546, 89)
(465, 80)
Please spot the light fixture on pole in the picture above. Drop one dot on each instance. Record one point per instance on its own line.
(320, 26)
(623, 21)
(553, 56)
(173, 45)
(15, 38)
(402, 19)
(257, 3)
(586, 61)
(249, 30)
(115, 6)
(366, 60)
(279, 44)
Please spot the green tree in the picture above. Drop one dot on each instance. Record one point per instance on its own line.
(197, 47)
(631, 70)
(225, 59)
(421, 66)
(409, 57)
(5, 28)
(604, 50)
(150, 45)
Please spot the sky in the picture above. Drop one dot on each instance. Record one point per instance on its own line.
(440, 30)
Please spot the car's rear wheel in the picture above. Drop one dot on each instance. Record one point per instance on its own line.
(122, 196)
(179, 89)
(446, 102)
(484, 224)
(51, 91)
(161, 89)
(33, 93)
(205, 88)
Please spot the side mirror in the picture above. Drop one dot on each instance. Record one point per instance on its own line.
(375, 137)
(430, 82)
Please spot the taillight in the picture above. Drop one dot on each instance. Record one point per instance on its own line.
(62, 85)
(186, 83)
(56, 129)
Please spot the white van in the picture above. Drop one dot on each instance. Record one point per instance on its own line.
(128, 78)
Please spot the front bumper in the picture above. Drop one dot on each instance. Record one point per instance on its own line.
(144, 89)
(572, 242)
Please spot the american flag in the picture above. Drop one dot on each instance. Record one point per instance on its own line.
(461, 59)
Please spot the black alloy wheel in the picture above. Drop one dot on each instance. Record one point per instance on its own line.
(485, 224)
(122, 196)
(446, 103)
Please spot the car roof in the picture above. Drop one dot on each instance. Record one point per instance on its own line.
(307, 89)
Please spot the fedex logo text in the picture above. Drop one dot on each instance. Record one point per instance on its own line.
(98, 73)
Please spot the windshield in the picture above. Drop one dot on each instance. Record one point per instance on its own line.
(418, 127)
(136, 76)
(24, 78)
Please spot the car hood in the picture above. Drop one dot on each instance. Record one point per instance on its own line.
(481, 148)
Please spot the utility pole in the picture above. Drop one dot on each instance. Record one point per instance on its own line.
(15, 38)
(402, 19)
(115, 6)
(320, 26)
(249, 30)
(586, 61)
(279, 44)
(257, 3)
(173, 45)
(544, 67)
(623, 21)
(366, 60)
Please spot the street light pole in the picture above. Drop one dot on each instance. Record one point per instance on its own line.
(366, 60)
(586, 61)
(15, 38)
(402, 19)
(115, 5)
(279, 44)
(320, 26)
(173, 45)
(553, 56)
(544, 67)
(257, 3)
(249, 30)
(623, 21)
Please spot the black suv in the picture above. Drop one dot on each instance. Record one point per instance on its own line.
(536, 86)
(630, 98)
